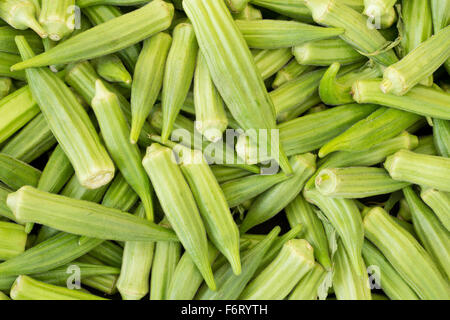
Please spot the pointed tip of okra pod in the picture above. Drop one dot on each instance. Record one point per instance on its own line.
(33, 24)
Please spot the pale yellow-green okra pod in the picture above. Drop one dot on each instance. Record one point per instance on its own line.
(248, 13)
(236, 6)
(21, 14)
(233, 69)
(406, 255)
(213, 206)
(309, 285)
(148, 79)
(179, 205)
(58, 18)
(116, 133)
(440, 203)
(178, 74)
(210, 117)
(12, 240)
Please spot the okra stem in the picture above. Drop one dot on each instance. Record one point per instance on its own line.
(57, 18)
(21, 14)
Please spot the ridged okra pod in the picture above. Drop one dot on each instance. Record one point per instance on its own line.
(179, 205)
(224, 174)
(406, 255)
(56, 173)
(391, 282)
(344, 216)
(21, 14)
(441, 135)
(421, 100)
(111, 69)
(16, 110)
(434, 237)
(148, 79)
(233, 69)
(309, 286)
(6, 61)
(368, 41)
(26, 288)
(294, 9)
(73, 189)
(116, 133)
(421, 169)
(102, 283)
(440, 203)
(277, 280)
(326, 52)
(109, 253)
(272, 201)
(108, 37)
(248, 13)
(274, 34)
(291, 71)
(381, 125)
(12, 240)
(300, 211)
(236, 5)
(133, 282)
(213, 206)
(57, 18)
(8, 44)
(178, 74)
(69, 123)
(210, 117)
(15, 173)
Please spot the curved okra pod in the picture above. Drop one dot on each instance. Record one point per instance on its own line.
(248, 13)
(300, 211)
(116, 133)
(15, 173)
(441, 135)
(272, 201)
(13, 240)
(432, 234)
(57, 18)
(108, 37)
(8, 44)
(178, 74)
(420, 99)
(381, 125)
(6, 61)
(308, 287)
(274, 34)
(148, 79)
(277, 280)
(179, 206)
(440, 203)
(291, 71)
(417, 65)
(21, 14)
(406, 255)
(345, 217)
(111, 69)
(421, 169)
(293, 9)
(233, 69)
(368, 41)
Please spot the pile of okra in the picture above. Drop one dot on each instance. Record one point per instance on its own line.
(118, 180)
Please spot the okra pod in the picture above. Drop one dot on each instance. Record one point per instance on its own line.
(103, 283)
(326, 52)
(8, 44)
(148, 79)
(6, 86)
(108, 253)
(178, 74)
(15, 173)
(308, 287)
(400, 77)
(73, 189)
(406, 255)
(294, 9)
(274, 34)
(6, 61)
(179, 206)
(248, 13)
(420, 99)
(441, 135)
(426, 146)
(21, 14)
(440, 203)
(120, 195)
(224, 174)
(12, 240)
(108, 37)
(57, 18)
(236, 6)
(210, 117)
(56, 173)
(89, 3)
(421, 169)
(272, 201)
(277, 280)
(300, 211)
(233, 68)
(4, 210)
(381, 125)
(291, 71)
(377, 8)
(432, 233)
(111, 69)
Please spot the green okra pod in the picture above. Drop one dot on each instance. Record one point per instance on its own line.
(390, 281)
(406, 255)
(432, 233)
(440, 203)
(89, 3)
(15, 173)
(381, 125)
(8, 44)
(344, 216)
(73, 189)
(326, 52)
(111, 69)
(294, 9)
(356, 182)
(420, 99)
(308, 287)
(6, 61)
(441, 18)
(304, 107)
(236, 5)
(86, 218)
(368, 41)
(374, 8)
(417, 65)
(179, 205)
(210, 117)
(108, 253)
(291, 71)
(26, 288)
(421, 169)
(4, 210)
(441, 135)
(108, 37)
(178, 74)
(21, 14)
(233, 69)
(6, 87)
(148, 79)
(56, 173)
(57, 18)
(224, 174)
(277, 280)
(213, 206)
(248, 13)
(274, 34)
(272, 201)
(300, 211)
(102, 283)
(120, 195)
(239, 190)
(12, 240)
(76, 136)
